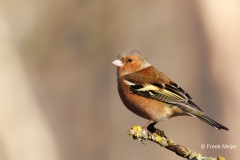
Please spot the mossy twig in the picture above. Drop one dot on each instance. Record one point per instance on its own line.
(138, 133)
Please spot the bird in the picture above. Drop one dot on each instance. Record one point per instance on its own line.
(150, 94)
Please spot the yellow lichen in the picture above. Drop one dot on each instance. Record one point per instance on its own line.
(135, 131)
(157, 137)
(170, 142)
(137, 128)
(198, 155)
(220, 158)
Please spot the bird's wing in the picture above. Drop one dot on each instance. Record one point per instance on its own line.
(159, 87)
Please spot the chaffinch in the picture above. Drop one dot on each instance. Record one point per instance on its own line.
(150, 94)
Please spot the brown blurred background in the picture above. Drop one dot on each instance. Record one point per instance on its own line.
(58, 96)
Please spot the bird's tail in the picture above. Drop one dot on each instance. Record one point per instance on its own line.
(210, 122)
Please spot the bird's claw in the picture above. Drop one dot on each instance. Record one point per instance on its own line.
(142, 141)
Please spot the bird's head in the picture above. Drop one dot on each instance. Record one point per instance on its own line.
(129, 62)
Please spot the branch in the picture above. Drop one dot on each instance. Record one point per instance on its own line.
(158, 137)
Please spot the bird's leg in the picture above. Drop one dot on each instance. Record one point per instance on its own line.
(149, 127)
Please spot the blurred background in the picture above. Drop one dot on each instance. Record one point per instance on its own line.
(58, 96)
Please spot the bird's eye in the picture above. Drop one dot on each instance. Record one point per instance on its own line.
(129, 60)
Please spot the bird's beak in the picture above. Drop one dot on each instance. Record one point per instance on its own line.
(117, 63)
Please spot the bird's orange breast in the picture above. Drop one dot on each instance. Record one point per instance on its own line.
(145, 107)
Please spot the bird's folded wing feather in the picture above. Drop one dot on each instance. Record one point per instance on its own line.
(159, 87)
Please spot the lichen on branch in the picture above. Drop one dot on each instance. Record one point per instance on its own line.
(138, 133)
